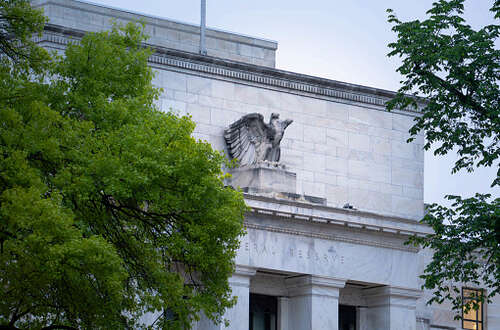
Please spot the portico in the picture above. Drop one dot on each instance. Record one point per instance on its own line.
(319, 264)
(314, 302)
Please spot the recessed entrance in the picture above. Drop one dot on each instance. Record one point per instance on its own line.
(263, 312)
(347, 317)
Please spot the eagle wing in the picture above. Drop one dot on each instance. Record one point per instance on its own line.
(245, 137)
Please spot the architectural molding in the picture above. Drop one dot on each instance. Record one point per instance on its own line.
(351, 219)
(315, 280)
(332, 237)
(243, 72)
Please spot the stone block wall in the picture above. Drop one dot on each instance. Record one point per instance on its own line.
(343, 145)
(84, 16)
(343, 151)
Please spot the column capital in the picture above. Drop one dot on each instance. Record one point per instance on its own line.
(392, 291)
(390, 295)
(241, 276)
(244, 270)
(314, 285)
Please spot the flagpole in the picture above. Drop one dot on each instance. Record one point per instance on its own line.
(203, 49)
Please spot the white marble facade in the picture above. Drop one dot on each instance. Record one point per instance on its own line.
(343, 146)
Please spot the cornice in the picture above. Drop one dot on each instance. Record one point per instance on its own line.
(311, 206)
(245, 73)
(353, 220)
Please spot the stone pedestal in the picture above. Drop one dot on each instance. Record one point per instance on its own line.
(314, 302)
(264, 178)
(391, 308)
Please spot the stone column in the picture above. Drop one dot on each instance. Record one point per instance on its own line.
(283, 313)
(238, 316)
(314, 302)
(391, 308)
(361, 318)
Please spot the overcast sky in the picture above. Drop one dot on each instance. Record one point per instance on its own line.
(335, 39)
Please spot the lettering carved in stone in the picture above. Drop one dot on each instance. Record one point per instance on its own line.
(252, 141)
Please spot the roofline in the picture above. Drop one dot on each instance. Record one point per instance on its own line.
(166, 19)
(277, 78)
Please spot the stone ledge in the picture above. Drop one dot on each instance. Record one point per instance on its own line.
(286, 196)
(351, 219)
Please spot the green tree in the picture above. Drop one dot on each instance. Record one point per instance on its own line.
(456, 69)
(109, 209)
(18, 22)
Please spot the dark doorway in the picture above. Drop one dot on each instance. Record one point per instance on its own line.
(263, 312)
(347, 317)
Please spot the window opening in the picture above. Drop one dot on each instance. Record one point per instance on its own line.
(472, 318)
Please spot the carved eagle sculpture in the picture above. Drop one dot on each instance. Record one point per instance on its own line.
(251, 140)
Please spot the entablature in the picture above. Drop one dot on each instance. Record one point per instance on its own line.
(340, 217)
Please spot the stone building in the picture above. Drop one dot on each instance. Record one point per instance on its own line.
(324, 245)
